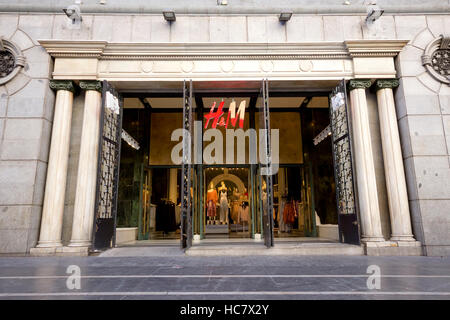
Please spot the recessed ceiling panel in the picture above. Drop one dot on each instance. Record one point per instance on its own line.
(282, 102)
(168, 103)
(318, 102)
(132, 103)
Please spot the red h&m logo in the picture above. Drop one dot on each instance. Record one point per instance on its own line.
(232, 115)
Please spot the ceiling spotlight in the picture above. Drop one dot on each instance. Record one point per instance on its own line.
(374, 12)
(169, 16)
(285, 16)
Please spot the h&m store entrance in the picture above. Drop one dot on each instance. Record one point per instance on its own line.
(233, 159)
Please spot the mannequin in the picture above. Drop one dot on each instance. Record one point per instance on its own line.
(223, 203)
(211, 200)
(236, 194)
(235, 205)
(264, 196)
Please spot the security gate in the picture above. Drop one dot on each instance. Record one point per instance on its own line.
(186, 166)
(343, 169)
(265, 166)
(108, 168)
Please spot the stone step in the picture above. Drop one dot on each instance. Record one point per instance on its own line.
(302, 249)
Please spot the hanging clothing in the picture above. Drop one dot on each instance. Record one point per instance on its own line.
(281, 223)
(290, 212)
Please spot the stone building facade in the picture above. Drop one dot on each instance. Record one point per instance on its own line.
(402, 44)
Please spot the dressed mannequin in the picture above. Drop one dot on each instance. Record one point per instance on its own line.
(264, 196)
(244, 212)
(211, 200)
(223, 201)
(235, 205)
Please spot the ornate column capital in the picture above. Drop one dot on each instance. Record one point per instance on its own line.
(91, 85)
(386, 84)
(67, 85)
(359, 84)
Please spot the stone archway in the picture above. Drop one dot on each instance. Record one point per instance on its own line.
(230, 177)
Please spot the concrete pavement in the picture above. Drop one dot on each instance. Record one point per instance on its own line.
(176, 276)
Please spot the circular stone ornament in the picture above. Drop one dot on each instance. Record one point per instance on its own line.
(11, 61)
(147, 66)
(266, 66)
(226, 66)
(305, 66)
(436, 59)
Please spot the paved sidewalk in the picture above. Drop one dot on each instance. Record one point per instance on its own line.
(224, 277)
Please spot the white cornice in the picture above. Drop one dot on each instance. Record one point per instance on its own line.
(63, 48)
(104, 50)
(374, 48)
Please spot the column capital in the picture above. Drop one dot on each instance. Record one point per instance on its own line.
(359, 84)
(91, 85)
(386, 84)
(67, 85)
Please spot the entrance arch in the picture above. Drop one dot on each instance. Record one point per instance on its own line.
(230, 177)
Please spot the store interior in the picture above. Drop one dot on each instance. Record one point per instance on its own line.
(226, 198)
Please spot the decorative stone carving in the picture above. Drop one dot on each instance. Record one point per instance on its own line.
(305, 65)
(187, 66)
(146, 66)
(436, 59)
(91, 85)
(7, 63)
(266, 66)
(386, 83)
(359, 84)
(11, 61)
(67, 85)
(226, 66)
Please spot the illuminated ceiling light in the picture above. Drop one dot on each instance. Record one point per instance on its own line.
(169, 16)
(285, 16)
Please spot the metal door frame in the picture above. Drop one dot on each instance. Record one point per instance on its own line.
(186, 201)
(267, 207)
(347, 204)
(112, 201)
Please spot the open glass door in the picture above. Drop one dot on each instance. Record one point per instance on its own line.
(186, 166)
(343, 169)
(108, 168)
(265, 166)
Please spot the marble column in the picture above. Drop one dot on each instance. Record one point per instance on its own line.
(83, 216)
(364, 163)
(393, 162)
(55, 187)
